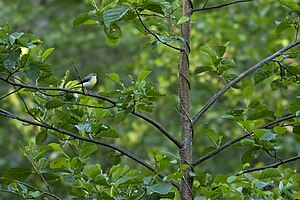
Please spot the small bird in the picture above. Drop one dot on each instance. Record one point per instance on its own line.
(87, 82)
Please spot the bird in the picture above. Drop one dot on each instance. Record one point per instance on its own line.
(87, 82)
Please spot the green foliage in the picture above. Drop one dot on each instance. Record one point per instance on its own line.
(78, 164)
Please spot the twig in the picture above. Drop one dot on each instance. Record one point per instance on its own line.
(151, 33)
(240, 77)
(159, 127)
(219, 6)
(10, 93)
(274, 165)
(71, 134)
(231, 142)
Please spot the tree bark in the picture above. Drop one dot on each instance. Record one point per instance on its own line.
(184, 96)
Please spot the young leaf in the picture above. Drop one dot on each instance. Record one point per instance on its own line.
(260, 75)
(47, 53)
(143, 75)
(18, 173)
(112, 15)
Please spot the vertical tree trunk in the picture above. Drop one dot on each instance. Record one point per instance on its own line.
(184, 95)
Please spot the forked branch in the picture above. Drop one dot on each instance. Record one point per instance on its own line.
(220, 6)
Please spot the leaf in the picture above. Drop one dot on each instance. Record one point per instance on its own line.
(279, 130)
(53, 104)
(86, 148)
(260, 75)
(269, 173)
(109, 133)
(115, 77)
(121, 116)
(113, 34)
(201, 69)
(59, 162)
(161, 188)
(213, 136)
(47, 53)
(291, 5)
(268, 136)
(41, 137)
(228, 62)
(209, 50)
(220, 50)
(18, 173)
(182, 20)
(11, 62)
(42, 66)
(14, 36)
(143, 75)
(112, 15)
(284, 24)
(85, 19)
(294, 106)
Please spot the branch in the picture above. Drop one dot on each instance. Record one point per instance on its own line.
(231, 142)
(220, 6)
(140, 115)
(151, 33)
(71, 134)
(240, 77)
(274, 165)
(159, 127)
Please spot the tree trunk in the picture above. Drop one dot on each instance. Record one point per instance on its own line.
(184, 95)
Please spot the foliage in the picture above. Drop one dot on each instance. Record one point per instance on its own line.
(72, 126)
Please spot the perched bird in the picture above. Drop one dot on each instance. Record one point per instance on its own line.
(87, 82)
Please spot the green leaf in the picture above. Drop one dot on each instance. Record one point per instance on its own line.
(279, 130)
(269, 173)
(268, 136)
(14, 36)
(228, 62)
(161, 188)
(59, 162)
(201, 69)
(87, 148)
(53, 104)
(92, 170)
(284, 24)
(18, 173)
(32, 73)
(121, 116)
(293, 5)
(143, 75)
(294, 106)
(115, 77)
(108, 133)
(220, 50)
(47, 69)
(260, 75)
(209, 50)
(213, 136)
(47, 53)
(41, 137)
(182, 20)
(85, 19)
(113, 15)
(12, 61)
(113, 34)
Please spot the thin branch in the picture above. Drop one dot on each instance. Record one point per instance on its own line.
(220, 6)
(274, 165)
(140, 115)
(231, 142)
(10, 93)
(155, 35)
(159, 127)
(220, 93)
(98, 142)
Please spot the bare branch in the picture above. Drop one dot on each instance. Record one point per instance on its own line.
(159, 127)
(220, 6)
(98, 142)
(231, 142)
(274, 165)
(239, 78)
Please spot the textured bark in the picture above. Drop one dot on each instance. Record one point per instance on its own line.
(184, 95)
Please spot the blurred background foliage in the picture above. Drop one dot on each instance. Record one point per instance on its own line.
(249, 28)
